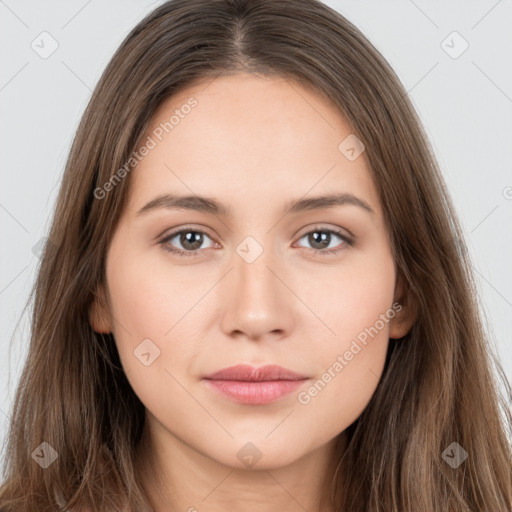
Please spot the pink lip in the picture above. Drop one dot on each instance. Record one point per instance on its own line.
(249, 385)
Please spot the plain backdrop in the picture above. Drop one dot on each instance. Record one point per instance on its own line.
(454, 59)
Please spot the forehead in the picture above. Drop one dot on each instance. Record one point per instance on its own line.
(244, 134)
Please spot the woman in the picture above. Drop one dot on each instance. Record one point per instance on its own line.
(239, 368)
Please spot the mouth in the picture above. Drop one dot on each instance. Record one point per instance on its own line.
(255, 386)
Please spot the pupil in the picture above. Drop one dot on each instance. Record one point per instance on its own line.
(192, 238)
(324, 239)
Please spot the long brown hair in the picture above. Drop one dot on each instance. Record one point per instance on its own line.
(439, 386)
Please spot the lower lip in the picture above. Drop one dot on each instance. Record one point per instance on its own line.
(255, 393)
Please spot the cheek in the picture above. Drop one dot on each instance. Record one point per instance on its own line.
(350, 372)
(353, 298)
(158, 319)
(147, 298)
(357, 309)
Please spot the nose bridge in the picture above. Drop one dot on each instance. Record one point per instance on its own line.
(252, 271)
(257, 304)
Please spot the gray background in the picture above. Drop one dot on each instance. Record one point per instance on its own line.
(465, 104)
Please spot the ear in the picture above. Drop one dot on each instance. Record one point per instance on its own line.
(99, 313)
(405, 316)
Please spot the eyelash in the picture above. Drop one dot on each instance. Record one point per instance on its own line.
(191, 254)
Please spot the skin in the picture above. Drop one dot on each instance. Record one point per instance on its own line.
(252, 143)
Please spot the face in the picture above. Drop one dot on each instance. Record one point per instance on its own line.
(251, 279)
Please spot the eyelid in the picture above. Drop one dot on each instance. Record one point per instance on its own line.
(169, 234)
(324, 227)
(172, 232)
(348, 240)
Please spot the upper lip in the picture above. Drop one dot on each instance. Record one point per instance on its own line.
(245, 372)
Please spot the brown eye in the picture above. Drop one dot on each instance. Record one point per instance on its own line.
(321, 239)
(189, 239)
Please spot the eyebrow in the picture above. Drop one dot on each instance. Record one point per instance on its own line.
(212, 206)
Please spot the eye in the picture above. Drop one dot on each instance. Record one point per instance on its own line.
(321, 239)
(190, 239)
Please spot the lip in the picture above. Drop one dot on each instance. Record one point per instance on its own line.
(248, 373)
(255, 386)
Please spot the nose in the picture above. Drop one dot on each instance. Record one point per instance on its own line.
(259, 304)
